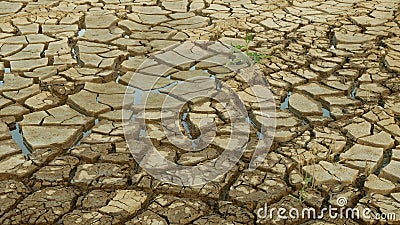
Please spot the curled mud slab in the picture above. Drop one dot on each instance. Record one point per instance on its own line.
(333, 68)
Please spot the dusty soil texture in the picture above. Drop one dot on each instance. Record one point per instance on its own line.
(333, 67)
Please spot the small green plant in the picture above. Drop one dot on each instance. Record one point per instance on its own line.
(306, 184)
(255, 56)
(249, 37)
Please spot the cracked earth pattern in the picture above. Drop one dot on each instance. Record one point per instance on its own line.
(64, 66)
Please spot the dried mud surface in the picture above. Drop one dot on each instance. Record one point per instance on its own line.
(64, 67)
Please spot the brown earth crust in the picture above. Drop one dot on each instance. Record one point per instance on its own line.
(333, 67)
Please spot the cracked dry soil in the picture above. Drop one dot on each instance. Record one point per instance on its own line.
(65, 65)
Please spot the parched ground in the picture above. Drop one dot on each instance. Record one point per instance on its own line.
(333, 67)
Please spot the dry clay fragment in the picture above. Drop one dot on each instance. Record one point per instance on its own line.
(125, 202)
(304, 106)
(331, 174)
(46, 136)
